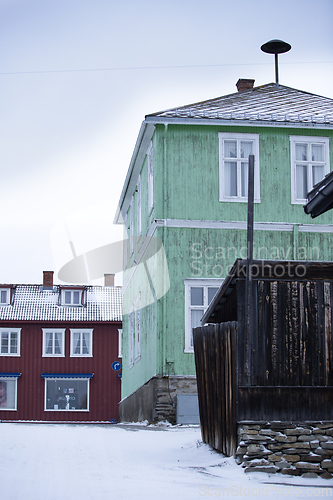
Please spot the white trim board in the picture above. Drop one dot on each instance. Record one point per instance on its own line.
(242, 225)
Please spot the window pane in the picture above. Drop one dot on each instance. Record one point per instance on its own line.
(3, 296)
(230, 178)
(7, 394)
(301, 182)
(196, 315)
(76, 343)
(318, 152)
(246, 149)
(301, 152)
(57, 342)
(4, 342)
(211, 292)
(317, 173)
(48, 343)
(76, 297)
(13, 343)
(230, 149)
(245, 178)
(68, 297)
(85, 343)
(197, 296)
(65, 394)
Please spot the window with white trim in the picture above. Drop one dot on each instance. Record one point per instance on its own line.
(81, 342)
(309, 165)
(139, 217)
(4, 296)
(131, 339)
(67, 394)
(198, 296)
(131, 228)
(234, 151)
(71, 297)
(137, 334)
(53, 342)
(10, 340)
(150, 177)
(120, 343)
(8, 393)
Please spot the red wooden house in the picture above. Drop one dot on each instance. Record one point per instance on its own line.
(59, 352)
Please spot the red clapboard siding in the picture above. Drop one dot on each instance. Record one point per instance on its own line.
(105, 386)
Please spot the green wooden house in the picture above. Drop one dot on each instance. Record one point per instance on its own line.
(184, 210)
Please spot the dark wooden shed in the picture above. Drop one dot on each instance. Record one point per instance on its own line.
(280, 370)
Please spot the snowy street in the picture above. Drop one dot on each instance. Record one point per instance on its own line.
(104, 462)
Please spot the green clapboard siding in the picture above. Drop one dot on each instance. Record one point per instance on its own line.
(186, 186)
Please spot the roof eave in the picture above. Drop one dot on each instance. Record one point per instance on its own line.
(156, 120)
(145, 135)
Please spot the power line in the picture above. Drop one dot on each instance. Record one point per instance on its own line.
(135, 68)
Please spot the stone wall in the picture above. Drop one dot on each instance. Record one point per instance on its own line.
(294, 448)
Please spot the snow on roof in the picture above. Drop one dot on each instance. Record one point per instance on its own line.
(271, 102)
(33, 303)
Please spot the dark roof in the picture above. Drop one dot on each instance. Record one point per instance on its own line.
(33, 303)
(320, 198)
(270, 102)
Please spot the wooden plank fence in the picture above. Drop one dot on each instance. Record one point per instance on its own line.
(215, 359)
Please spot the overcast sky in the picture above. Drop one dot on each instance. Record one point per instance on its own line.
(77, 78)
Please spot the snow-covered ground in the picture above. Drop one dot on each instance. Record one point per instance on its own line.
(111, 462)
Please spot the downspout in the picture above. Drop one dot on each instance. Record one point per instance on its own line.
(164, 243)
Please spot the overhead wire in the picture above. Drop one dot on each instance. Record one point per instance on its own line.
(135, 68)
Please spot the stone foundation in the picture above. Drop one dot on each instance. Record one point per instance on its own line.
(156, 400)
(294, 448)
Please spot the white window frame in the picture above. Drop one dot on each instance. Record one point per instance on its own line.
(120, 343)
(131, 228)
(139, 216)
(131, 321)
(7, 301)
(47, 379)
(309, 140)
(150, 160)
(239, 137)
(10, 330)
(71, 291)
(137, 330)
(189, 283)
(10, 379)
(62, 345)
(89, 331)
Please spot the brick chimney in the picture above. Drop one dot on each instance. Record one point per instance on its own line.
(244, 84)
(47, 279)
(108, 279)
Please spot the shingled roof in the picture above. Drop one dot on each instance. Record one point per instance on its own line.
(267, 103)
(34, 303)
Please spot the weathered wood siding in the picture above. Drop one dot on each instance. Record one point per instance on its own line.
(215, 359)
(284, 367)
